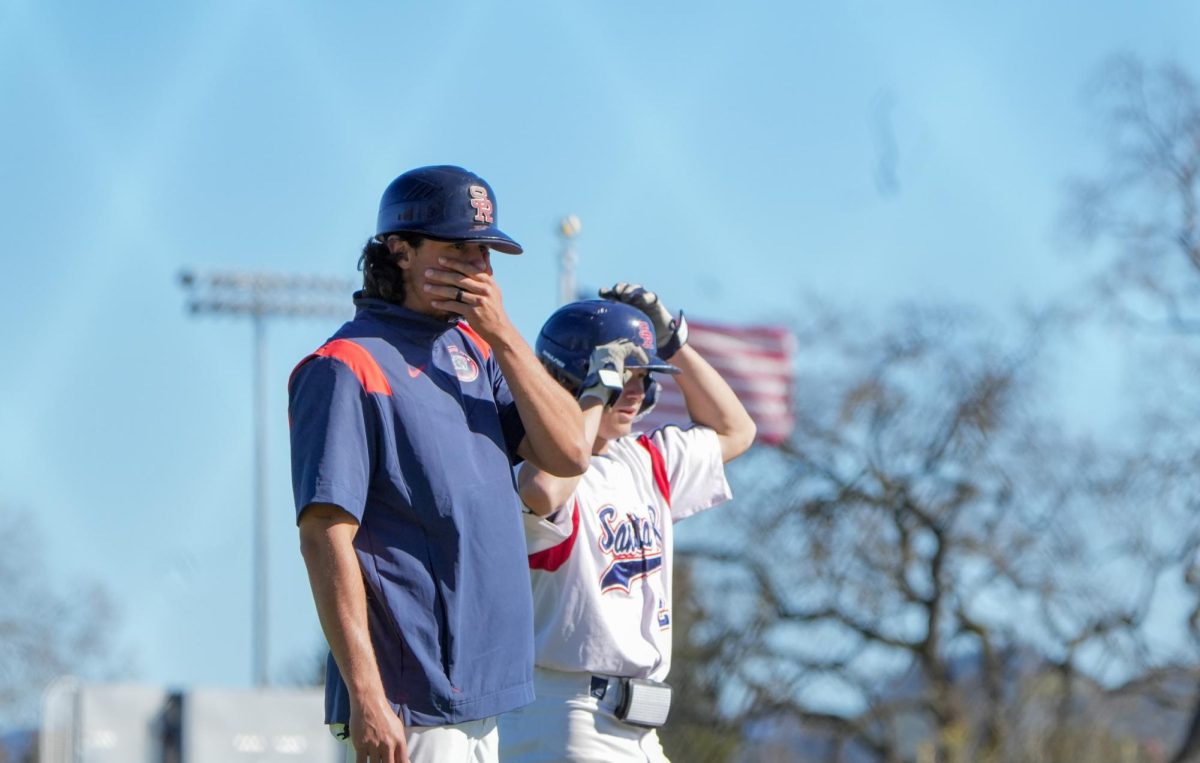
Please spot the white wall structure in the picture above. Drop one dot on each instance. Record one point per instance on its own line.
(117, 723)
(126, 723)
(256, 726)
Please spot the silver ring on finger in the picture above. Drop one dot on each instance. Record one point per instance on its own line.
(458, 296)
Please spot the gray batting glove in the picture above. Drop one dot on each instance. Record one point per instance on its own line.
(607, 375)
(671, 332)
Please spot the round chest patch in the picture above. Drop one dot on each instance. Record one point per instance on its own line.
(465, 368)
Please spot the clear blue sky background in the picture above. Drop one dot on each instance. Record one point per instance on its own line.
(733, 155)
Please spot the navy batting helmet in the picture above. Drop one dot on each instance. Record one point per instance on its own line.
(569, 335)
(446, 203)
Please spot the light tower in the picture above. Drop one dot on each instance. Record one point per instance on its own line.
(568, 228)
(259, 296)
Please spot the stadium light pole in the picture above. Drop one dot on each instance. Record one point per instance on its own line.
(568, 229)
(260, 296)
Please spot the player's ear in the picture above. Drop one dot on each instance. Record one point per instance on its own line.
(400, 250)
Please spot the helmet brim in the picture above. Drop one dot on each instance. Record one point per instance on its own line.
(655, 364)
(499, 242)
(491, 237)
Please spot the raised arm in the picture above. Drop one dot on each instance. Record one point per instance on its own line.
(327, 545)
(710, 401)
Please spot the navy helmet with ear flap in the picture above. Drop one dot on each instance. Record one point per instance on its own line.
(443, 202)
(569, 335)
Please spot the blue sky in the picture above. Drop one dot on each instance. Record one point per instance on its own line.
(736, 157)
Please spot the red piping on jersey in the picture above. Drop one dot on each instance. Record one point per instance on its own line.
(658, 465)
(469, 332)
(357, 359)
(554, 557)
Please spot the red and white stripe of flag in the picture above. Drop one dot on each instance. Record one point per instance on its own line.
(756, 361)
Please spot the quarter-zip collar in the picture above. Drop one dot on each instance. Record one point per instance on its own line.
(401, 316)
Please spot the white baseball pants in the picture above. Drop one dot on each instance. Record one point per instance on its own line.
(567, 722)
(470, 742)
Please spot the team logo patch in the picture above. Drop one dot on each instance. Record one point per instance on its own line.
(483, 205)
(633, 545)
(465, 368)
(646, 335)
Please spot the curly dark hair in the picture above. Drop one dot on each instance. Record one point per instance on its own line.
(383, 278)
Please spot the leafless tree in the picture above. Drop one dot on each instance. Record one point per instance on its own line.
(1141, 210)
(45, 632)
(1142, 213)
(697, 731)
(930, 568)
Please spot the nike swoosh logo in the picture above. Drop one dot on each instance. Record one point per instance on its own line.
(415, 371)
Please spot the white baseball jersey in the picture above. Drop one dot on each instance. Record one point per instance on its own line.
(601, 564)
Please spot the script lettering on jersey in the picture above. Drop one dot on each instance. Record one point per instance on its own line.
(633, 546)
(481, 202)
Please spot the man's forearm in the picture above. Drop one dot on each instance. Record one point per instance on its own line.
(326, 543)
(552, 419)
(543, 493)
(712, 403)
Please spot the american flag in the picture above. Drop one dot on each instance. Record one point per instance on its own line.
(756, 361)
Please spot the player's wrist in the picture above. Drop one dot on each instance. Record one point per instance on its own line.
(369, 701)
(590, 402)
(676, 337)
(500, 333)
(602, 385)
(606, 375)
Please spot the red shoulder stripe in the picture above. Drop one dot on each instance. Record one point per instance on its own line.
(357, 359)
(658, 465)
(554, 557)
(478, 341)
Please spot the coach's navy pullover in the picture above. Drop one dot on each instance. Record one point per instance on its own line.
(405, 421)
